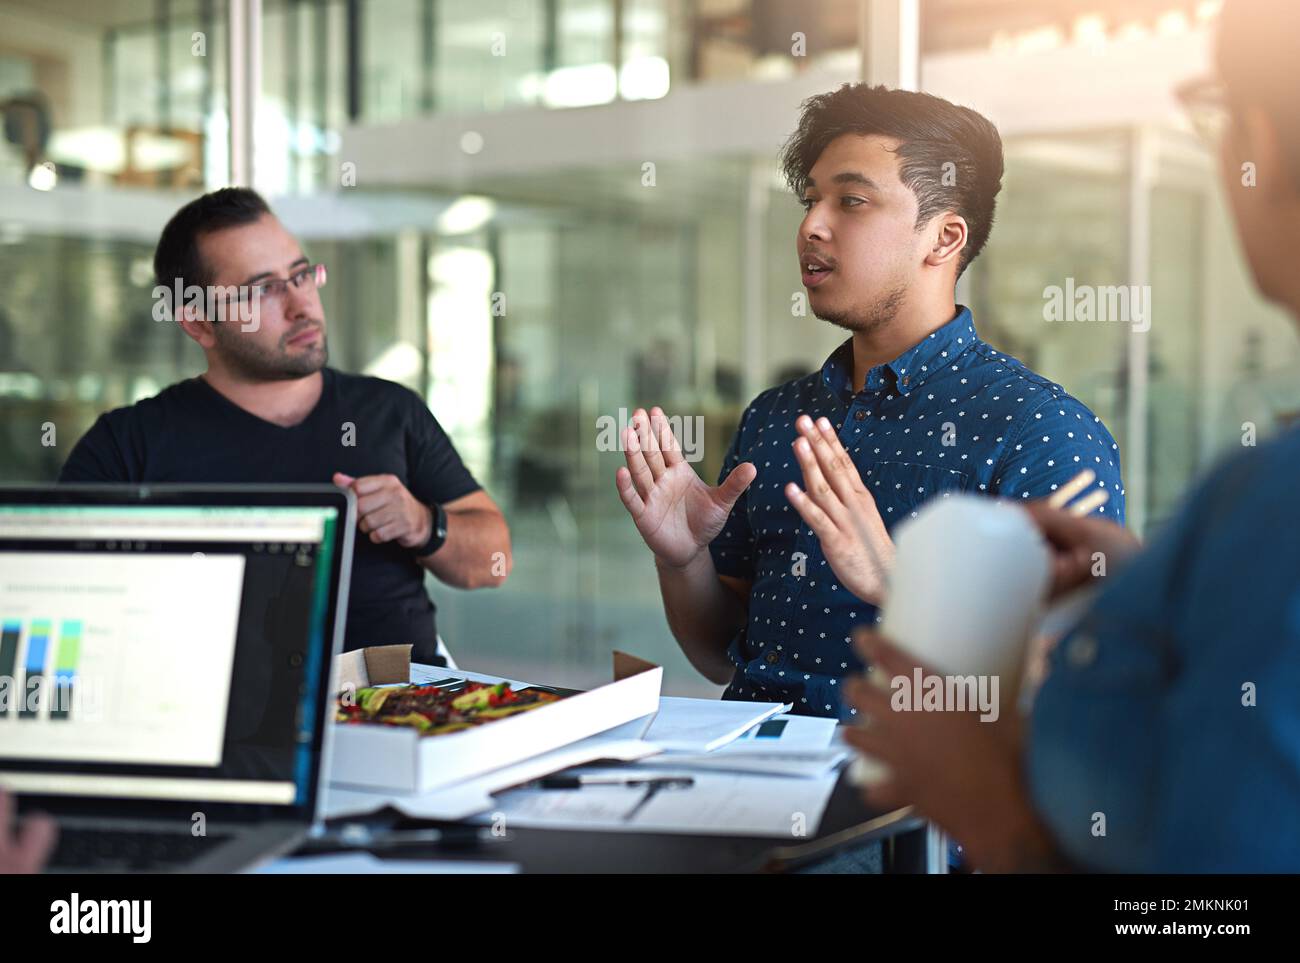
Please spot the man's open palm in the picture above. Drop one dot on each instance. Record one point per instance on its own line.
(676, 513)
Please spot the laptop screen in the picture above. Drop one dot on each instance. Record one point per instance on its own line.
(165, 651)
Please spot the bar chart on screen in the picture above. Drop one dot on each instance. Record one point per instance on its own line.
(54, 692)
(98, 655)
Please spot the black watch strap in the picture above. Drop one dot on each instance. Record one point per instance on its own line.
(438, 535)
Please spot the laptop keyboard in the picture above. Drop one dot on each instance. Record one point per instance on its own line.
(128, 849)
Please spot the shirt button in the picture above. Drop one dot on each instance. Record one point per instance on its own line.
(771, 658)
(859, 415)
(907, 380)
(1082, 651)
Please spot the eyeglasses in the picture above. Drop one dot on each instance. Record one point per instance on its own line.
(271, 291)
(276, 288)
(1206, 102)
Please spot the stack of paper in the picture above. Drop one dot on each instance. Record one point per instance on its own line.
(703, 725)
(779, 745)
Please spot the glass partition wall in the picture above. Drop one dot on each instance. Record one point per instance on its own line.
(533, 310)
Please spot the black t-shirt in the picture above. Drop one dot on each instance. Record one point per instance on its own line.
(192, 433)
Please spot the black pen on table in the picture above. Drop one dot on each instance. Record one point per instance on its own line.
(577, 782)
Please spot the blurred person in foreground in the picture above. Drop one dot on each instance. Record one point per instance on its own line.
(1166, 736)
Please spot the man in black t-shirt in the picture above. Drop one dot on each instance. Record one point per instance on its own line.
(268, 410)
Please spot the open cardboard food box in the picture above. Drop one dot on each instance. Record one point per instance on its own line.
(397, 758)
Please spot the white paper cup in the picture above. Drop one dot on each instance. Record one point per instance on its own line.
(969, 579)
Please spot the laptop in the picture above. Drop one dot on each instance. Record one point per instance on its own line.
(165, 658)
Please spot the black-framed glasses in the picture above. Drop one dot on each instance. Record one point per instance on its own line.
(1206, 102)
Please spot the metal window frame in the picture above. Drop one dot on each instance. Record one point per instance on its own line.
(244, 83)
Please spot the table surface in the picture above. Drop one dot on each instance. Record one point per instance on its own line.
(538, 850)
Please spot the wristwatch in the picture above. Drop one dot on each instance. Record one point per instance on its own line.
(439, 534)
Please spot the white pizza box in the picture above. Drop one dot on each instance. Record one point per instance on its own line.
(399, 758)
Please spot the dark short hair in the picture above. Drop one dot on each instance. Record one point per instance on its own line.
(177, 255)
(932, 132)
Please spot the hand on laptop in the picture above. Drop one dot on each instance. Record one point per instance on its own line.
(676, 513)
(26, 849)
(836, 505)
(1080, 544)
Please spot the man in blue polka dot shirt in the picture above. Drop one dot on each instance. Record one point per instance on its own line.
(765, 576)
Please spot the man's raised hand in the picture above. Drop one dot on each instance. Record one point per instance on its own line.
(841, 512)
(676, 513)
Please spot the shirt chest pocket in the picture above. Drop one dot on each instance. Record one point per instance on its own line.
(901, 488)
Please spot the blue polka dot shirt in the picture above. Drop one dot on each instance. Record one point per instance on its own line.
(951, 414)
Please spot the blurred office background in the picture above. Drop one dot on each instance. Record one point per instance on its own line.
(537, 212)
